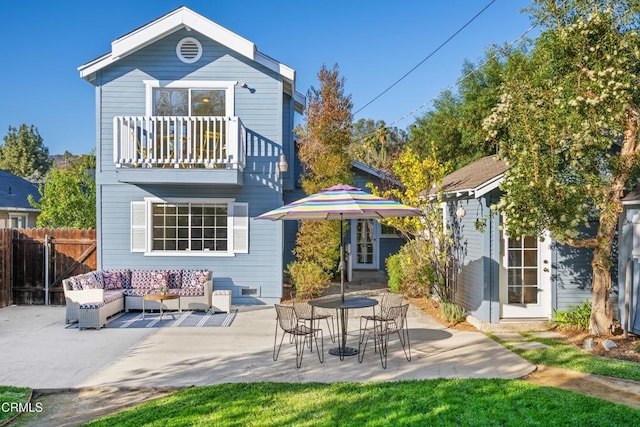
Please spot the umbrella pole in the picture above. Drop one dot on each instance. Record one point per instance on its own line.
(341, 262)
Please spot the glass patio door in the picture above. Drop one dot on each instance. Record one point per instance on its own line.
(526, 285)
(364, 244)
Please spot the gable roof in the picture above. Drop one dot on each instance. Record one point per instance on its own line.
(14, 192)
(184, 17)
(475, 179)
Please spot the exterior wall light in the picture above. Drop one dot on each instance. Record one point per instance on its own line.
(283, 166)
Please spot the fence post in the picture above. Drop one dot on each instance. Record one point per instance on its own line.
(46, 269)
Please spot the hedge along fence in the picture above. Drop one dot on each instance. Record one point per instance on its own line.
(38, 259)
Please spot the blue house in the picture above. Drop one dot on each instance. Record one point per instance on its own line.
(629, 263)
(194, 132)
(498, 279)
(15, 210)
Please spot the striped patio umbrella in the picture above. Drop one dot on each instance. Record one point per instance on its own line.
(340, 202)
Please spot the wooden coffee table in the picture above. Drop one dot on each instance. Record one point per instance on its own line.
(160, 298)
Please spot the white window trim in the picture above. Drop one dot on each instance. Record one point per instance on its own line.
(149, 235)
(227, 86)
(388, 235)
(20, 215)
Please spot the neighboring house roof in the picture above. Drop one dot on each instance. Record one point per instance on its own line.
(184, 17)
(371, 171)
(367, 169)
(475, 179)
(14, 192)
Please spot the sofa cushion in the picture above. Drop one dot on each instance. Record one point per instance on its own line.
(190, 291)
(113, 295)
(149, 279)
(91, 305)
(194, 278)
(137, 292)
(90, 280)
(115, 279)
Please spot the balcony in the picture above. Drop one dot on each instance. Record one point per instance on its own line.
(190, 150)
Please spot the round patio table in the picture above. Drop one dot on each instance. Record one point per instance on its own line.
(342, 307)
(160, 298)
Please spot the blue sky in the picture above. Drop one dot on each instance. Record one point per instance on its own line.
(374, 43)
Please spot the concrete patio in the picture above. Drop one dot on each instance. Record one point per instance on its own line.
(39, 352)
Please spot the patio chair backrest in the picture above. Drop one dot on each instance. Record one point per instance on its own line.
(303, 309)
(390, 299)
(396, 318)
(287, 318)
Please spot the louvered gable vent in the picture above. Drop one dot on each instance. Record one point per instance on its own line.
(189, 50)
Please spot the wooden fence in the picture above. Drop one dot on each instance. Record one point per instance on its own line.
(39, 259)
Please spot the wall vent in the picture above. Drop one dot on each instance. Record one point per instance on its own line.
(189, 50)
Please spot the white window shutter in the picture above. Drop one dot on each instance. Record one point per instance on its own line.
(240, 215)
(138, 226)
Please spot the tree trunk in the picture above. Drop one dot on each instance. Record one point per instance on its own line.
(601, 321)
(601, 313)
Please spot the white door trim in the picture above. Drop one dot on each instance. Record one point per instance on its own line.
(356, 248)
(540, 309)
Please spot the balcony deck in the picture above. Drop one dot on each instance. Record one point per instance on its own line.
(190, 150)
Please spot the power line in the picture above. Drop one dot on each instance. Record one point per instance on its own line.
(425, 59)
(461, 79)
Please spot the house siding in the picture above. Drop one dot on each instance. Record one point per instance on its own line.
(261, 107)
(473, 255)
(625, 250)
(571, 275)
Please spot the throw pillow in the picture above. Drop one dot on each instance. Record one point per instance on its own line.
(112, 279)
(88, 281)
(159, 279)
(175, 278)
(141, 279)
(192, 278)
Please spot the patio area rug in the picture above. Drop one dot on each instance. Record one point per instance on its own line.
(186, 319)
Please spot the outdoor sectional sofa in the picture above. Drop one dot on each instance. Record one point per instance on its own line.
(93, 297)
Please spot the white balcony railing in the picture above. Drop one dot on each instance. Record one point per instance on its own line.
(179, 142)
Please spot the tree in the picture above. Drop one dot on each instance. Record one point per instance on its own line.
(376, 144)
(455, 122)
(567, 125)
(23, 153)
(323, 146)
(424, 256)
(68, 196)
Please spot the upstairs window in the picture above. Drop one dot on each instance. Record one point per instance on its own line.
(189, 102)
(183, 98)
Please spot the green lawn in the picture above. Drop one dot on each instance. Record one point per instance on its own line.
(9, 396)
(441, 402)
(563, 354)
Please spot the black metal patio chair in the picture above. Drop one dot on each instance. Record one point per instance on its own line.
(288, 322)
(306, 313)
(396, 323)
(371, 321)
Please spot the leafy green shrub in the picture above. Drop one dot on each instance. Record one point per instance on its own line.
(576, 316)
(452, 312)
(307, 277)
(417, 272)
(394, 270)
